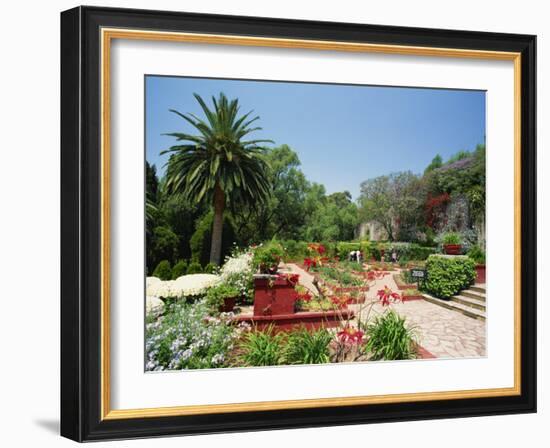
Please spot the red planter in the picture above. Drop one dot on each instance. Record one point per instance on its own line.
(304, 319)
(228, 304)
(273, 296)
(409, 298)
(480, 273)
(452, 249)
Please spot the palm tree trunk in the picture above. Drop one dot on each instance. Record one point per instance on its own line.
(217, 227)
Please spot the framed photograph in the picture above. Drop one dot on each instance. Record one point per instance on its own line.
(272, 223)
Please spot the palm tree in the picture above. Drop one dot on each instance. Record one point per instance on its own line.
(218, 165)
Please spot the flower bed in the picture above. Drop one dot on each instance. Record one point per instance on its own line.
(184, 286)
(401, 284)
(411, 294)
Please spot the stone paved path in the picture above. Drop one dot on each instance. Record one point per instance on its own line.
(444, 333)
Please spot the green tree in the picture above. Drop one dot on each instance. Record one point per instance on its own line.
(162, 244)
(219, 165)
(436, 163)
(163, 270)
(393, 200)
(282, 214)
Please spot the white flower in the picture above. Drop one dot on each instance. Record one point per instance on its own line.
(153, 305)
(186, 285)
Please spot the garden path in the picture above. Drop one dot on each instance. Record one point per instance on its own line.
(306, 279)
(444, 333)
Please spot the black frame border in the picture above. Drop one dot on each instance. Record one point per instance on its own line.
(81, 223)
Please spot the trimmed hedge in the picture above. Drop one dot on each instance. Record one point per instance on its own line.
(163, 270)
(179, 269)
(194, 268)
(448, 275)
(343, 249)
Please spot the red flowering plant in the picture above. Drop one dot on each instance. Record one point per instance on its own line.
(386, 295)
(350, 342)
(341, 302)
(303, 294)
(348, 345)
(350, 335)
(316, 258)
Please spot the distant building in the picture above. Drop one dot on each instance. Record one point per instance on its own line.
(371, 230)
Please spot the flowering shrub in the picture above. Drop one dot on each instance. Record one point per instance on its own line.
(186, 337)
(185, 286)
(316, 257)
(238, 271)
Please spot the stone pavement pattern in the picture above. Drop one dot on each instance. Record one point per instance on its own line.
(444, 333)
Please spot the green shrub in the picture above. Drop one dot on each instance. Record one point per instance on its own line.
(202, 238)
(330, 249)
(448, 275)
(162, 244)
(263, 348)
(476, 254)
(295, 250)
(389, 338)
(163, 270)
(268, 256)
(343, 278)
(210, 268)
(451, 238)
(216, 295)
(344, 248)
(179, 269)
(194, 268)
(308, 347)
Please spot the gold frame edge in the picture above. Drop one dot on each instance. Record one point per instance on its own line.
(107, 34)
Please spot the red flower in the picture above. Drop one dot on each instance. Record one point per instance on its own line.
(319, 248)
(305, 297)
(341, 301)
(350, 335)
(386, 295)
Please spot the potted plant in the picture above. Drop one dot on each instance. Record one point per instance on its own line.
(478, 255)
(268, 257)
(222, 297)
(452, 243)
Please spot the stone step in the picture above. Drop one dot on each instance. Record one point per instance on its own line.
(469, 301)
(479, 288)
(455, 306)
(473, 294)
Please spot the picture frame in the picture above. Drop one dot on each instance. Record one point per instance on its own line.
(86, 37)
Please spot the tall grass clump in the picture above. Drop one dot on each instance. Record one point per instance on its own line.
(390, 339)
(308, 347)
(263, 348)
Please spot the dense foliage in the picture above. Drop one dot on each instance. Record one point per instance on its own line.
(447, 276)
(203, 197)
(186, 337)
(389, 338)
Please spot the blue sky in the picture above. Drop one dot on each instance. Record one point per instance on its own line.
(343, 134)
